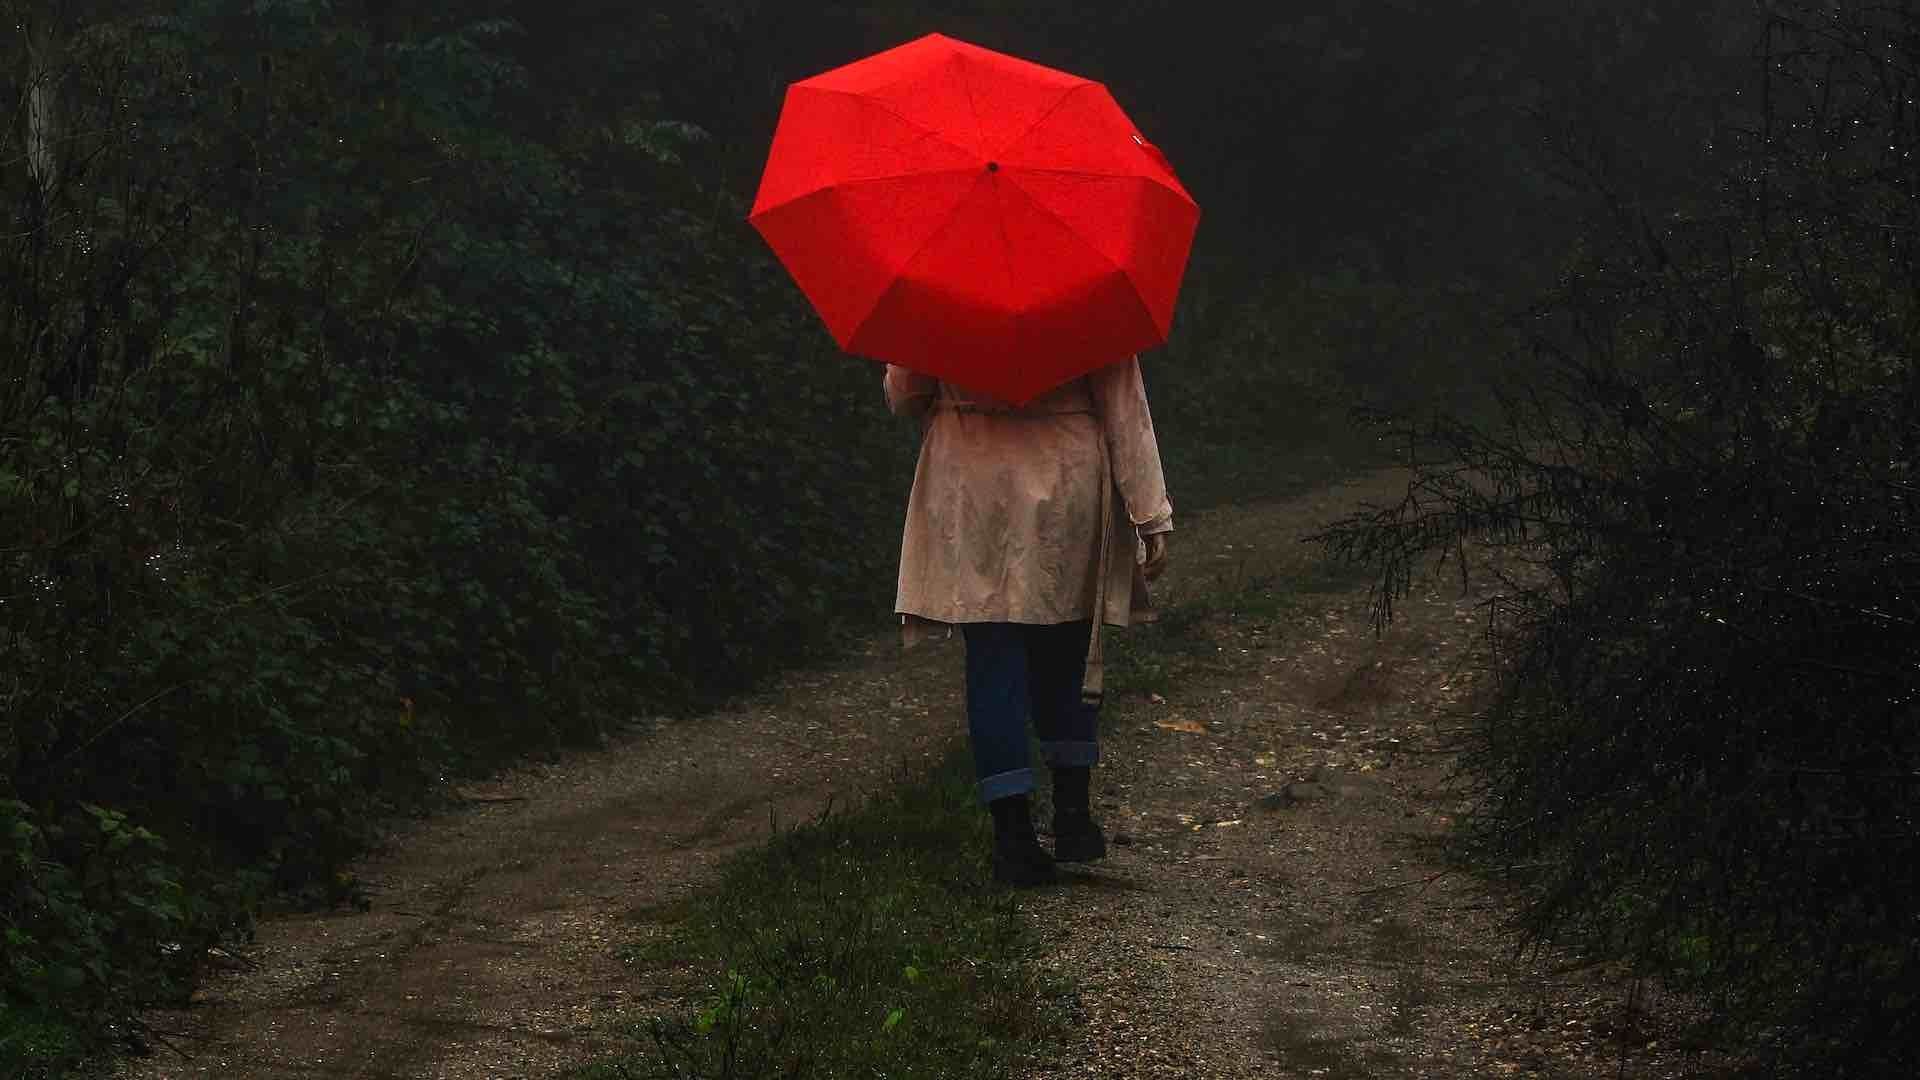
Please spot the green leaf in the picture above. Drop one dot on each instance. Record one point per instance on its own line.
(67, 978)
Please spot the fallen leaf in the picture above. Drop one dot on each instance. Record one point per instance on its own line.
(1181, 723)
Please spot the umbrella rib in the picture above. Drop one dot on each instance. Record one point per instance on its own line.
(1134, 292)
(1045, 116)
(836, 185)
(1052, 171)
(1006, 249)
(1090, 175)
(932, 234)
(972, 106)
(914, 175)
(897, 115)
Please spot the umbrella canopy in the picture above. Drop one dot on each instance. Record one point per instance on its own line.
(985, 220)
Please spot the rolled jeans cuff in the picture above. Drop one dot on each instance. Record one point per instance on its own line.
(1001, 785)
(1070, 755)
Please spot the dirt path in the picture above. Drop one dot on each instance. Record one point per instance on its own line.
(1281, 908)
(1265, 913)
(492, 949)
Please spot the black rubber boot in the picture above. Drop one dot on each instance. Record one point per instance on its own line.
(1018, 858)
(1076, 836)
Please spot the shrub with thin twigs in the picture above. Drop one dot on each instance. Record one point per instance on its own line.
(1703, 740)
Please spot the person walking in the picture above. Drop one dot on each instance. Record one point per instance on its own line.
(1029, 527)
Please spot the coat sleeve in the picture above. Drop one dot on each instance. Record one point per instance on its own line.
(1121, 398)
(909, 393)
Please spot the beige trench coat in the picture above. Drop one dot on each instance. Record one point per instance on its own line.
(1005, 522)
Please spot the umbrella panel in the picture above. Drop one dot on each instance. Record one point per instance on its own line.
(826, 139)
(1136, 224)
(846, 246)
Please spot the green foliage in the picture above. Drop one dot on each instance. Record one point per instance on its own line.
(368, 411)
(1704, 738)
(35, 1045)
(858, 945)
(96, 923)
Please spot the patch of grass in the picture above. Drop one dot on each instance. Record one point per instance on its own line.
(37, 1046)
(653, 950)
(1187, 640)
(865, 943)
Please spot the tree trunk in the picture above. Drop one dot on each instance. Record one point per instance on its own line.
(43, 103)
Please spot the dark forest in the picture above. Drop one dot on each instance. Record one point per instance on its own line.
(392, 391)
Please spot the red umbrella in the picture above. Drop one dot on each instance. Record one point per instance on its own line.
(976, 217)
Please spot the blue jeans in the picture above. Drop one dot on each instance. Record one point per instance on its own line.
(1014, 671)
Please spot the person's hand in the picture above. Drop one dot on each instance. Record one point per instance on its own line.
(1156, 555)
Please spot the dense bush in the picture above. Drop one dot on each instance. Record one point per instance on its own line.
(361, 420)
(1705, 741)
